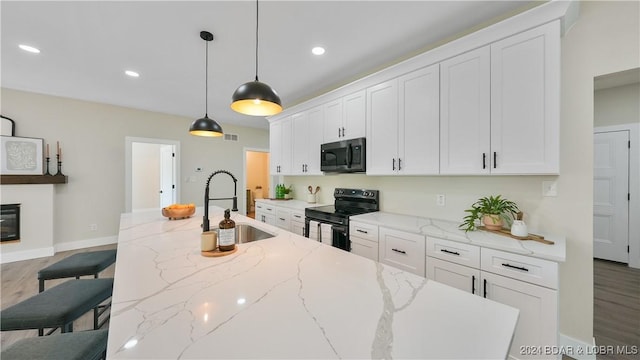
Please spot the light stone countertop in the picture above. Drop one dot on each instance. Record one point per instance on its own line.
(449, 230)
(286, 297)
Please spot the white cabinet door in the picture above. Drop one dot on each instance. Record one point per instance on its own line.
(333, 121)
(315, 119)
(537, 322)
(297, 228)
(464, 113)
(403, 250)
(457, 276)
(419, 122)
(299, 143)
(364, 247)
(280, 146)
(382, 128)
(283, 218)
(525, 111)
(354, 116)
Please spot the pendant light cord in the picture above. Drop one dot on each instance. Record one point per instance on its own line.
(206, 80)
(257, 17)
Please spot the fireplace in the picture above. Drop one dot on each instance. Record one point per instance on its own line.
(10, 222)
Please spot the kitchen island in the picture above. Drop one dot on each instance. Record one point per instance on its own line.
(284, 297)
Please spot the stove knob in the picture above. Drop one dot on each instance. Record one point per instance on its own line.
(365, 193)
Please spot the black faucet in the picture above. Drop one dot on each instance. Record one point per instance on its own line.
(205, 218)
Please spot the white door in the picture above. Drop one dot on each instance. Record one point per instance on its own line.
(382, 128)
(315, 118)
(465, 113)
(610, 196)
(332, 121)
(457, 276)
(299, 143)
(419, 125)
(354, 119)
(167, 175)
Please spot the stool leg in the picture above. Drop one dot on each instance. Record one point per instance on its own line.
(96, 314)
(40, 332)
(40, 285)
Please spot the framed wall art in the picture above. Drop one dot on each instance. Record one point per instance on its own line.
(21, 156)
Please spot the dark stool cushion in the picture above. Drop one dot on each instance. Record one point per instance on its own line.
(81, 264)
(57, 306)
(82, 345)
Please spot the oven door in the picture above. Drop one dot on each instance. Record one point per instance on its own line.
(336, 235)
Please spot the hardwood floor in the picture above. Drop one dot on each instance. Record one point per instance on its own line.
(616, 307)
(616, 299)
(20, 281)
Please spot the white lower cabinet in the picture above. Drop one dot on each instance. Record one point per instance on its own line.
(528, 284)
(265, 213)
(402, 250)
(364, 239)
(283, 218)
(297, 223)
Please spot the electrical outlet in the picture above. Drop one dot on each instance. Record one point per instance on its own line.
(440, 199)
(550, 188)
(93, 227)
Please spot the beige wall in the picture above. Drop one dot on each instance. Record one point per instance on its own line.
(604, 40)
(618, 105)
(92, 136)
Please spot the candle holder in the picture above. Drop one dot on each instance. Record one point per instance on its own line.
(48, 173)
(59, 173)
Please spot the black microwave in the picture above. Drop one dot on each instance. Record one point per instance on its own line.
(346, 156)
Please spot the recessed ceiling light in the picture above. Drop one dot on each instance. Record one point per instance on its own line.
(318, 50)
(30, 49)
(132, 73)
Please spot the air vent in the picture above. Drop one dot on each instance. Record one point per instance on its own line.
(230, 137)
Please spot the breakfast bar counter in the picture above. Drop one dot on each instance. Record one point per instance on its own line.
(285, 297)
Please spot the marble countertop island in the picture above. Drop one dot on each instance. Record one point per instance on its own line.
(286, 297)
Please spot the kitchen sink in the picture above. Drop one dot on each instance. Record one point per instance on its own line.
(246, 233)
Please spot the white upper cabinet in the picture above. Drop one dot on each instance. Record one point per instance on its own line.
(280, 144)
(344, 118)
(307, 137)
(500, 110)
(464, 113)
(419, 122)
(525, 85)
(382, 128)
(403, 124)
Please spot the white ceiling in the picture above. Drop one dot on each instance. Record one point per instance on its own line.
(86, 46)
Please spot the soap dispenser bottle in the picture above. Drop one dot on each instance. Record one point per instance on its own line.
(227, 233)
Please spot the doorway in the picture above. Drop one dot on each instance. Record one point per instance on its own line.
(616, 167)
(256, 164)
(152, 171)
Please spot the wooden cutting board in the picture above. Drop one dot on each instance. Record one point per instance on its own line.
(507, 232)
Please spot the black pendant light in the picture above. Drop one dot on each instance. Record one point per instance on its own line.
(206, 126)
(255, 97)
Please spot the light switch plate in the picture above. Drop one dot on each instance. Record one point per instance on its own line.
(440, 199)
(550, 188)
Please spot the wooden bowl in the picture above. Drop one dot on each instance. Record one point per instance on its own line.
(178, 213)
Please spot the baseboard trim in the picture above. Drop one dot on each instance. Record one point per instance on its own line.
(81, 244)
(577, 349)
(13, 256)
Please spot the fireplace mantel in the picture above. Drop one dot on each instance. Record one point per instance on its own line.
(32, 179)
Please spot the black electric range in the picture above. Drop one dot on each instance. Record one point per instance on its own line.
(347, 202)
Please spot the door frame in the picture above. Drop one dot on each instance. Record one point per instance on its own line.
(244, 171)
(129, 140)
(634, 186)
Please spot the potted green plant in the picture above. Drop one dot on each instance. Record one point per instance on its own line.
(492, 211)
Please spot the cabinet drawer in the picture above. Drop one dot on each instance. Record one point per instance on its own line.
(519, 267)
(283, 218)
(402, 250)
(363, 231)
(267, 209)
(297, 216)
(459, 253)
(364, 247)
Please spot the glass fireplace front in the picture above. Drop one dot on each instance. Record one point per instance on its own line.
(10, 222)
